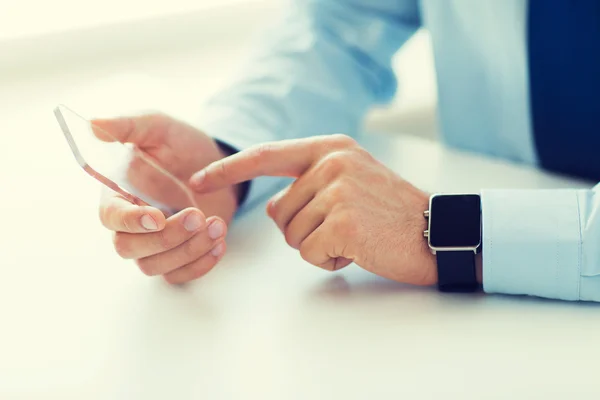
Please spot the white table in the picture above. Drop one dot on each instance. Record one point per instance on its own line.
(79, 323)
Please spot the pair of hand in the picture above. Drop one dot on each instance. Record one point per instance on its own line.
(343, 207)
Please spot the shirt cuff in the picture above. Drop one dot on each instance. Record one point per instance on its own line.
(532, 243)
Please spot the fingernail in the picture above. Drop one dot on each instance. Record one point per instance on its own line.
(149, 223)
(192, 222)
(198, 177)
(218, 250)
(216, 230)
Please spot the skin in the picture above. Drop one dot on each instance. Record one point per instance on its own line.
(181, 247)
(344, 206)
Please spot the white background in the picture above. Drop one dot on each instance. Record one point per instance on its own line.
(200, 38)
(40, 17)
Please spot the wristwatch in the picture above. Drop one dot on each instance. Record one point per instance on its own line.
(454, 236)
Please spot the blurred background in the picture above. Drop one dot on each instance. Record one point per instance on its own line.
(121, 55)
(111, 57)
(103, 58)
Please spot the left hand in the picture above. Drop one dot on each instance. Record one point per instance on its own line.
(343, 207)
(190, 243)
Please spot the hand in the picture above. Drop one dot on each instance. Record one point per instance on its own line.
(186, 245)
(343, 207)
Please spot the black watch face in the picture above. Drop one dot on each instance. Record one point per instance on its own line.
(455, 221)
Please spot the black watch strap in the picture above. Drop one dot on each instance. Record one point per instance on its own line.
(457, 271)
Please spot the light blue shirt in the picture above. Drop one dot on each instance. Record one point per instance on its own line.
(329, 61)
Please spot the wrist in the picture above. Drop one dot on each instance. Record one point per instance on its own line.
(428, 259)
(454, 235)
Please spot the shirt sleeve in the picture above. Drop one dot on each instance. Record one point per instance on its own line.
(543, 243)
(317, 71)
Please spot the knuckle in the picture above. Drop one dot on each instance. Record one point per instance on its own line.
(337, 193)
(263, 150)
(201, 269)
(190, 250)
(125, 221)
(145, 265)
(335, 163)
(347, 228)
(121, 245)
(349, 225)
(342, 189)
(277, 217)
(221, 168)
(291, 239)
(171, 279)
(114, 217)
(364, 154)
(342, 140)
(338, 225)
(271, 209)
(305, 253)
(165, 241)
(260, 153)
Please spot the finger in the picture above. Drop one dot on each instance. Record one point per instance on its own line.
(286, 204)
(273, 210)
(198, 268)
(285, 158)
(145, 130)
(316, 250)
(189, 251)
(120, 215)
(305, 222)
(284, 207)
(178, 228)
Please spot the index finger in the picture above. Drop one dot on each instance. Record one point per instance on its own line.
(119, 215)
(289, 158)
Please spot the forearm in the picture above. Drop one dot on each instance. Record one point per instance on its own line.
(543, 243)
(318, 72)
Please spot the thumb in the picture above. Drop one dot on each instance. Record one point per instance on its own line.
(111, 130)
(144, 130)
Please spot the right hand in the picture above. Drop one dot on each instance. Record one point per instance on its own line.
(186, 245)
